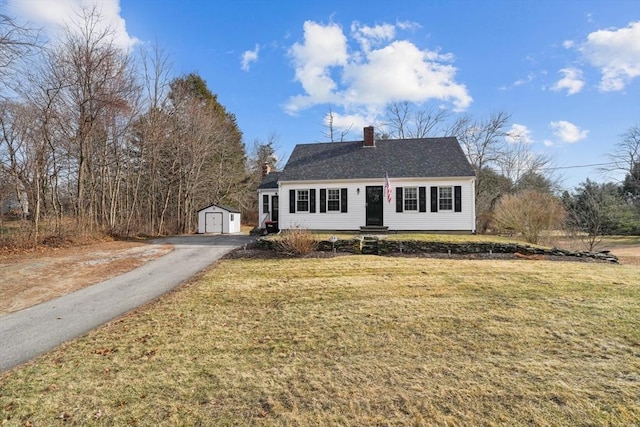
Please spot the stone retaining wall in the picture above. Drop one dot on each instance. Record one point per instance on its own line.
(377, 246)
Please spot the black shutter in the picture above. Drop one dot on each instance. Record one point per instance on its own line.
(292, 201)
(422, 199)
(323, 200)
(434, 199)
(312, 201)
(457, 198)
(265, 203)
(343, 200)
(399, 205)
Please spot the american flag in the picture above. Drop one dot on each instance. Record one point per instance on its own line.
(387, 186)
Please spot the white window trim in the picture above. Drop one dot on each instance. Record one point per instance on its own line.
(308, 200)
(405, 199)
(440, 199)
(339, 200)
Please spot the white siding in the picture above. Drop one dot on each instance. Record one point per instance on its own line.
(355, 217)
(262, 216)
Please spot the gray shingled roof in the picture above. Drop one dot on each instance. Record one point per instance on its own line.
(270, 180)
(406, 158)
(226, 208)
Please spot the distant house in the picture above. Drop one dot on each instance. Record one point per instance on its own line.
(344, 186)
(218, 219)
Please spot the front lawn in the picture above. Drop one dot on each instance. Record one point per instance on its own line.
(355, 340)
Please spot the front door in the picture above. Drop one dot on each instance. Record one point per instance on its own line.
(274, 208)
(374, 205)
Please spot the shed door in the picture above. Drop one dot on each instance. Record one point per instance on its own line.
(213, 222)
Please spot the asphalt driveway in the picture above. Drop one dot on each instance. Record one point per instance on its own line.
(35, 330)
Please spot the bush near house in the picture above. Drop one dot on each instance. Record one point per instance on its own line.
(529, 213)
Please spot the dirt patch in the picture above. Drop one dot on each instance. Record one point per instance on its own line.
(35, 277)
(628, 255)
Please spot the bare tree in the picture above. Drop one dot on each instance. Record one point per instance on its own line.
(403, 121)
(594, 211)
(397, 115)
(17, 43)
(516, 161)
(426, 122)
(625, 159)
(97, 89)
(627, 151)
(332, 132)
(482, 141)
(149, 133)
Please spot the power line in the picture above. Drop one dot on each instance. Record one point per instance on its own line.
(580, 166)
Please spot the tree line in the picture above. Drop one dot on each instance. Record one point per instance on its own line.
(97, 139)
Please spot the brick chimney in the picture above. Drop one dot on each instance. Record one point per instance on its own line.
(266, 169)
(369, 140)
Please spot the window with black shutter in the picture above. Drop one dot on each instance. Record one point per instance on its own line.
(292, 201)
(312, 201)
(323, 200)
(399, 202)
(434, 199)
(457, 198)
(343, 200)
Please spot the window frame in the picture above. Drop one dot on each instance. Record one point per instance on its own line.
(301, 200)
(445, 203)
(337, 201)
(410, 204)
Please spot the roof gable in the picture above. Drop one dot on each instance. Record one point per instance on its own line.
(223, 207)
(407, 158)
(270, 180)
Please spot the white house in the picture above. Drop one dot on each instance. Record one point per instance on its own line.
(218, 219)
(421, 184)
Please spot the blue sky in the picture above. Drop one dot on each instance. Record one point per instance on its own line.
(567, 71)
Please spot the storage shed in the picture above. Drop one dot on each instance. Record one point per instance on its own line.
(218, 219)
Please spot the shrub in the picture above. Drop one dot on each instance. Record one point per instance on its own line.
(529, 213)
(296, 241)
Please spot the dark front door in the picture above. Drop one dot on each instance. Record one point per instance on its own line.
(374, 205)
(274, 208)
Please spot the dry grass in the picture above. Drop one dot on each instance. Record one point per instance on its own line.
(356, 340)
(296, 241)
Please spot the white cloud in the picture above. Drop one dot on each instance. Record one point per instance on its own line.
(572, 81)
(548, 143)
(616, 53)
(382, 70)
(529, 79)
(53, 15)
(372, 36)
(519, 133)
(348, 122)
(249, 57)
(408, 25)
(568, 44)
(567, 131)
(324, 47)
